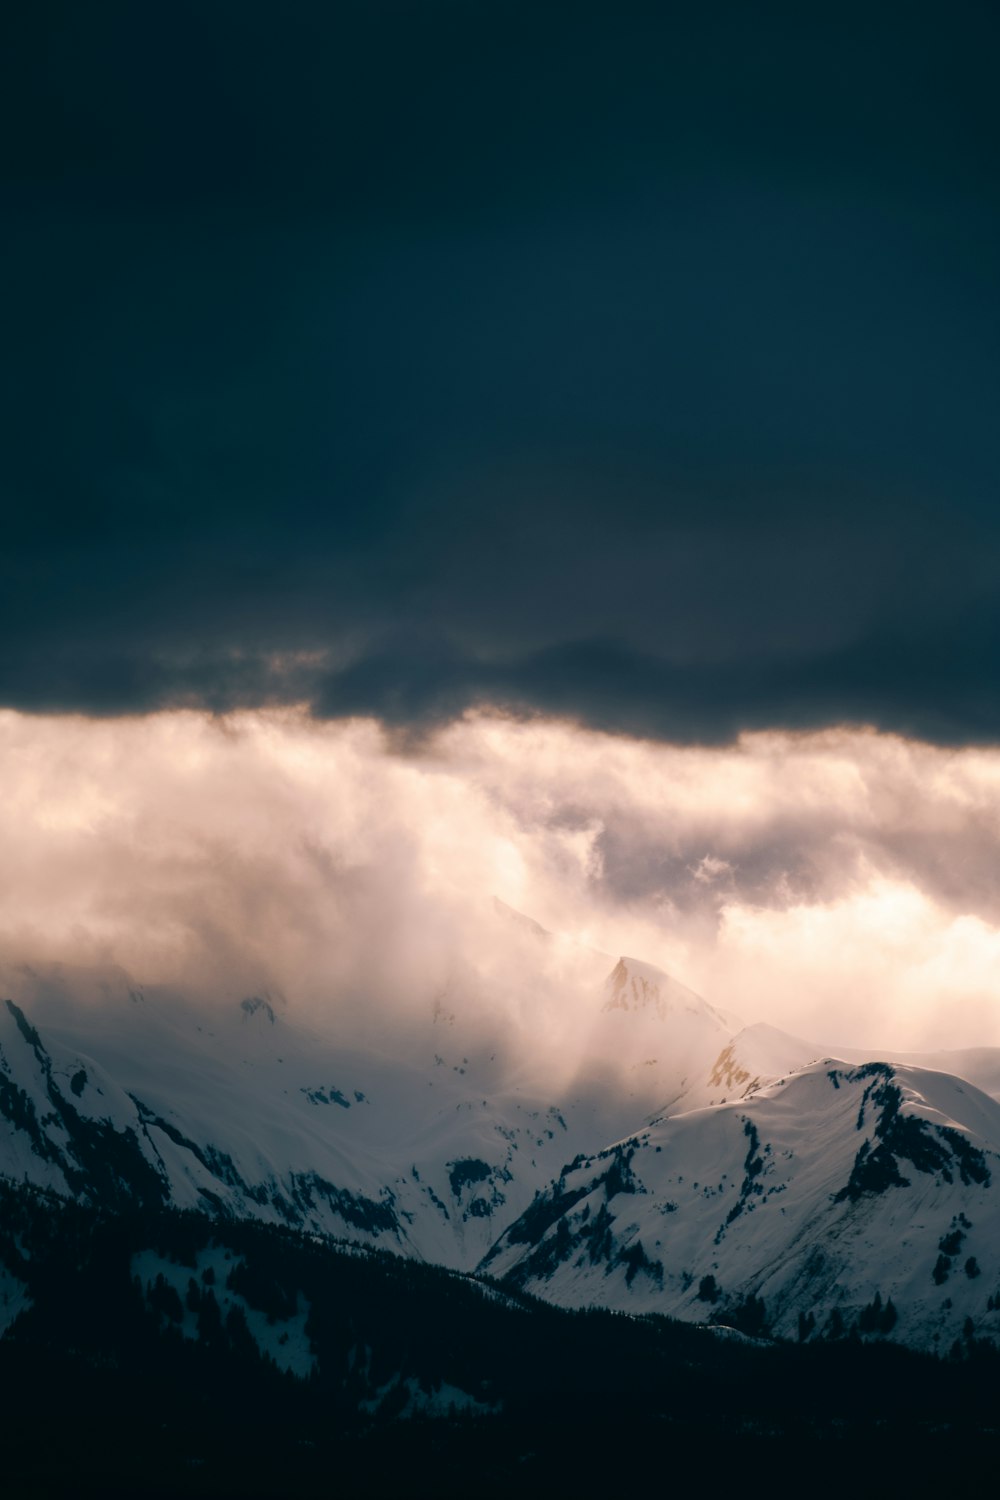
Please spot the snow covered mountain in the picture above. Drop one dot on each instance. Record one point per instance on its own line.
(428, 1150)
(760, 1054)
(427, 1139)
(249, 1115)
(675, 1161)
(653, 1040)
(842, 1196)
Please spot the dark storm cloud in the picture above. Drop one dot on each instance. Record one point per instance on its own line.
(610, 361)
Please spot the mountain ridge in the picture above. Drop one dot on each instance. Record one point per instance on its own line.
(442, 1146)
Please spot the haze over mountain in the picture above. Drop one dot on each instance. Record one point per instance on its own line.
(675, 1161)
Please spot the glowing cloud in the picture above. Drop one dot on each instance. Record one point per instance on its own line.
(845, 885)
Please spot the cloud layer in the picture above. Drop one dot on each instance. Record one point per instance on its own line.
(840, 885)
(639, 369)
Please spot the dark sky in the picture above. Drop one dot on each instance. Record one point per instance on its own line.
(637, 363)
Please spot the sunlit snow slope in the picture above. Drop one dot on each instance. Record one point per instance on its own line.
(835, 1191)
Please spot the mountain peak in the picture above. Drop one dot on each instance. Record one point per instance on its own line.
(636, 986)
(519, 919)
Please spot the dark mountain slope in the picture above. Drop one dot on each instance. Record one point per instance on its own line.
(423, 1382)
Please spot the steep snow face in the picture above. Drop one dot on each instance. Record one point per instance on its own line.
(754, 1057)
(824, 1197)
(636, 986)
(653, 1040)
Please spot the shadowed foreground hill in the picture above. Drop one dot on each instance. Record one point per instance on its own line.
(158, 1353)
